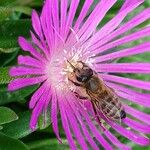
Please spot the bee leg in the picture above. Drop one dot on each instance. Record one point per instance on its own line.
(78, 96)
(97, 118)
(75, 83)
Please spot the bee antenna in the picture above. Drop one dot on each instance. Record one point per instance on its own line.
(71, 64)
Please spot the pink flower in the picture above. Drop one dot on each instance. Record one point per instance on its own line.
(59, 37)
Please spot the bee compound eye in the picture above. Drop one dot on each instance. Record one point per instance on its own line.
(81, 78)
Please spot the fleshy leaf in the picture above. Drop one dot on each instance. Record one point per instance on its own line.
(10, 30)
(4, 75)
(19, 95)
(19, 128)
(7, 115)
(7, 143)
(46, 144)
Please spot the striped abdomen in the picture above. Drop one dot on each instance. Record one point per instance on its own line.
(110, 105)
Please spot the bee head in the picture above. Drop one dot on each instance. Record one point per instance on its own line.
(84, 74)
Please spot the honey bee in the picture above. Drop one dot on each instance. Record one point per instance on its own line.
(90, 86)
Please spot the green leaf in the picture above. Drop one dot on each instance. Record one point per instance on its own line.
(19, 95)
(44, 120)
(7, 115)
(46, 144)
(4, 75)
(19, 128)
(7, 143)
(8, 59)
(8, 50)
(5, 12)
(10, 30)
(23, 9)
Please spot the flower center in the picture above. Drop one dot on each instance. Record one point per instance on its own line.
(59, 69)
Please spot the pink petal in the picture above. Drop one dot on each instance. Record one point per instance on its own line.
(83, 13)
(36, 24)
(130, 95)
(26, 46)
(93, 128)
(65, 124)
(137, 125)
(94, 19)
(75, 127)
(55, 15)
(113, 23)
(54, 119)
(46, 23)
(29, 61)
(20, 71)
(80, 19)
(138, 114)
(127, 81)
(38, 109)
(144, 15)
(63, 16)
(139, 139)
(85, 131)
(128, 38)
(115, 141)
(71, 14)
(141, 48)
(35, 97)
(40, 44)
(23, 82)
(143, 68)
(129, 2)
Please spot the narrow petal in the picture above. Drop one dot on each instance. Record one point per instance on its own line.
(46, 23)
(54, 119)
(126, 39)
(38, 109)
(127, 81)
(141, 48)
(93, 128)
(63, 16)
(139, 139)
(65, 124)
(138, 19)
(138, 114)
(30, 61)
(26, 46)
(113, 23)
(137, 126)
(55, 15)
(36, 24)
(115, 141)
(83, 13)
(71, 14)
(129, 3)
(23, 82)
(20, 71)
(35, 97)
(76, 130)
(85, 131)
(41, 44)
(79, 20)
(143, 68)
(130, 95)
(94, 19)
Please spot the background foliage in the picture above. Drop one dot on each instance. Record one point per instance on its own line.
(14, 113)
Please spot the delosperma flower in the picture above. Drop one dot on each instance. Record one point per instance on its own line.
(61, 44)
